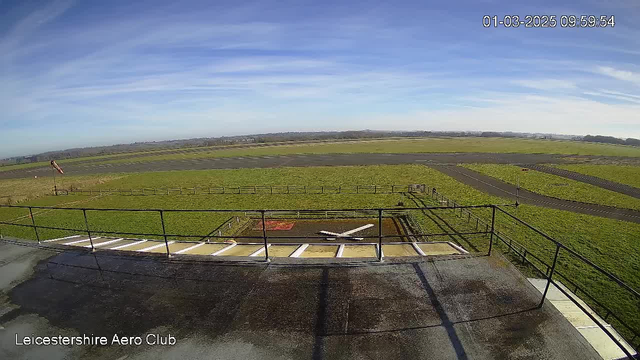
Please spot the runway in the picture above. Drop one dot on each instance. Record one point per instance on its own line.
(440, 161)
(301, 160)
(502, 189)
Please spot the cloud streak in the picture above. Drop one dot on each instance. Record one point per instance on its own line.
(201, 70)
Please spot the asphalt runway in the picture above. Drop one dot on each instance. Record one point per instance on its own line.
(592, 180)
(440, 161)
(502, 189)
(292, 161)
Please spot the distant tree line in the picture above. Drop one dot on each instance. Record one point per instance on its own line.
(611, 140)
(292, 136)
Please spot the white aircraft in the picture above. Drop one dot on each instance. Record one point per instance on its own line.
(346, 234)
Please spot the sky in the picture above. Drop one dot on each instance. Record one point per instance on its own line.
(89, 73)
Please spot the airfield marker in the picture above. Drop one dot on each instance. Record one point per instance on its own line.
(223, 250)
(189, 248)
(79, 241)
(299, 250)
(105, 243)
(127, 245)
(418, 249)
(340, 251)
(63, 238)
(155, 247)
(259, 251)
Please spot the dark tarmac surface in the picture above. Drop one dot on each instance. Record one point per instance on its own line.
(440, 161)
(311, 229)
(592, 180)
(293, 161)
(502, 189)
(462, 308)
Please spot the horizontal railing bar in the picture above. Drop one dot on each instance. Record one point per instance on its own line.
(229, 237)
(587, 261)
(250, 210)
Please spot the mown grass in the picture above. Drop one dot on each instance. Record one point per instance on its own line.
(200, 223)
(429, 145)
(624, 174)
(69, 161)
(419, 145)
(611, 244)
(556, 186)
(13, 191)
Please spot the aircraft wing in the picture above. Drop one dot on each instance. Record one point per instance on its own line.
(356, 230)
(329, 233)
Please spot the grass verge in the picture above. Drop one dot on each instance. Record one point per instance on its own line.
(415, 145)
(624, 174)
(556, 186)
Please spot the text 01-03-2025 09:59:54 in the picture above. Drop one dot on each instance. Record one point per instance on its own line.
(549, 21)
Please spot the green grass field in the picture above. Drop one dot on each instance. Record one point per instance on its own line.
(556, 186)
(15, 191)
(420, 145)
(624, 174)
(609, 243)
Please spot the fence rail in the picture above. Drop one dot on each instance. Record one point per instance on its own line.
(482, 226)
(253, 189)
(549, 270)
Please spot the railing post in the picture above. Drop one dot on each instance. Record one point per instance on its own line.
(493, 223)
(33, 221)
(164, 233)
(379, 234)
(264, 236)
(86, 224)
(553, 267)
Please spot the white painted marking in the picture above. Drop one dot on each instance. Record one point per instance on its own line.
(345, 234)
(260, 251)
(418, 250)
(457, 247)
(127, 245)
(223, 250)
(592, 326)
(104, 243)
(189, 248)
(329, 233)
(299, 250)
(155, 246)
(357, 229)
(64, 238)
(79, 241)
(340, 251)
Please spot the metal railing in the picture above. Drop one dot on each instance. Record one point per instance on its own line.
(550, 268)
(379, 213)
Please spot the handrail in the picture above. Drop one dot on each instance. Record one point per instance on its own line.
(257, 210)
(451, 205)
(579, 256)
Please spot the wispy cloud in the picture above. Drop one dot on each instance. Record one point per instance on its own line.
(623, 75)
(546, 84)
(130, 71)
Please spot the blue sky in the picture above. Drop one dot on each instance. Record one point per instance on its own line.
(102, 72)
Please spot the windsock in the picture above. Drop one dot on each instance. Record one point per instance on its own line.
(56, 166)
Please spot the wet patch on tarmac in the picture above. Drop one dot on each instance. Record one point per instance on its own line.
(259, 310)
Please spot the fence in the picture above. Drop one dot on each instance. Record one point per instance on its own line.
(482, 227)
(253, 189)
(549, 269)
